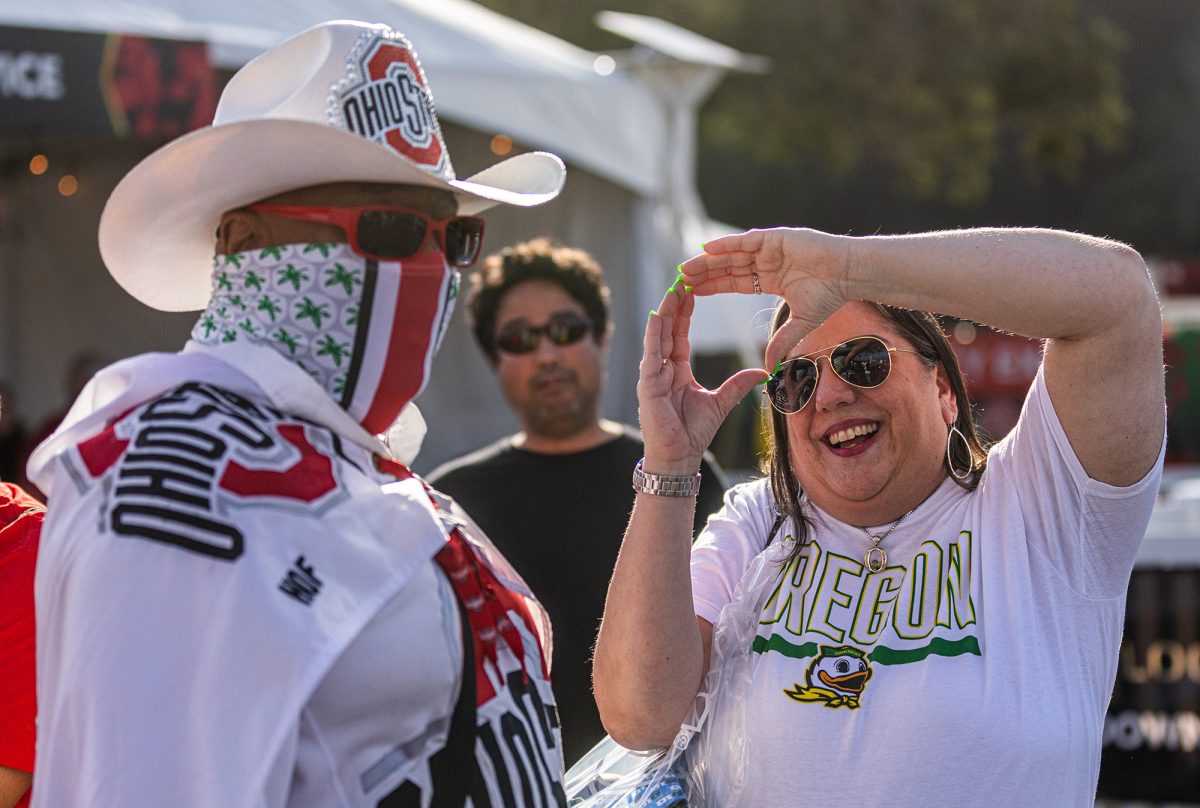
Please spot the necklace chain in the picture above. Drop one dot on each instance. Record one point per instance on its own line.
(875, 559)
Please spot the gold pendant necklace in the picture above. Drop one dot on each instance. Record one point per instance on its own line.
(875, 559)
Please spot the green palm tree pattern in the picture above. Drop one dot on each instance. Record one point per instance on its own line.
(253, 280)
(270, 305)
(337, 351)
(303, 301)
(338, 275)
(308, 310)
(287, 340)
(293, 276)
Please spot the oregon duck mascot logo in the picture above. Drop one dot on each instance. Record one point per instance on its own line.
(836, 677)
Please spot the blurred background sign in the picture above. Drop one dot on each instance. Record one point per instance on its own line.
(79, 82)
(1152, 730)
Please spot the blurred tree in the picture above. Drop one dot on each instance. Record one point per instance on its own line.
(925, 90)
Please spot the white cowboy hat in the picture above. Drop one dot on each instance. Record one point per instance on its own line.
(343, 101)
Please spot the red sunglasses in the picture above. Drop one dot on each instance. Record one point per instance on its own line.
(386, 232)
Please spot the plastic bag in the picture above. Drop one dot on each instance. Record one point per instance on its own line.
(705, 766)
(611, 776)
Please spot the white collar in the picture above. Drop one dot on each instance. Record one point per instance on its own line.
(248, 369)
(289, 388)
(294, 391)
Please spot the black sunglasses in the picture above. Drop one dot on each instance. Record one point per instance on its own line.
(861, 361)
(563, 328)
(385, 232)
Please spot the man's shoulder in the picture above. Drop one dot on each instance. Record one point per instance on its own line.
(483, 459)
(21, 519)
(628, 436)
(630, 439)
(16, 501)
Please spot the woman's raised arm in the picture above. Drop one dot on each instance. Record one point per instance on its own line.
(1091, 299)
(652, 651)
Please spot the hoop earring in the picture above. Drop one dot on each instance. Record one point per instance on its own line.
(954, 430)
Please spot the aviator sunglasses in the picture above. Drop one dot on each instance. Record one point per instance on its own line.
(563, 328)
(385, 232)
(862, 362)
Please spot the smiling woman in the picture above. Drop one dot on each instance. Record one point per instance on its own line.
(867, 363)
(889, 570)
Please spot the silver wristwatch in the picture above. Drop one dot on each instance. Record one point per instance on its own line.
(664, 485)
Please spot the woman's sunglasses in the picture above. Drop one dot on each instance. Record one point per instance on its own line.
(563, 328)
(386, 233)
(862, 362)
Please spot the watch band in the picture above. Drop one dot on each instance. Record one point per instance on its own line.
(664, 485)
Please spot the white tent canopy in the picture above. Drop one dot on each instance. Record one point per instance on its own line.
(629, 199)
(487, 71)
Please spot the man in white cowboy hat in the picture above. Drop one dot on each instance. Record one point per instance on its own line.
(244, 597)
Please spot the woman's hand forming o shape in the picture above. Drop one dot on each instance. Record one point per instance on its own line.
(679, 417)
(807, 268)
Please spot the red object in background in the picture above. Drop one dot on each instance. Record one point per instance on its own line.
(999, 369)
(1176, 277)
(997, 364)
(1181, 349)
(20, 529)
(164, 88)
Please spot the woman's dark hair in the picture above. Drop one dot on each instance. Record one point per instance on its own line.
(922, 331)
(540, 259)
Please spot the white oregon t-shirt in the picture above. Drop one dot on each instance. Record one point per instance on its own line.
(975, 670)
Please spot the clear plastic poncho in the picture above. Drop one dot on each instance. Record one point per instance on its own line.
(705, 766)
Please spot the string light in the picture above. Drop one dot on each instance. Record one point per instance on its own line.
(501, 145)
(38, 164)
(68, 185)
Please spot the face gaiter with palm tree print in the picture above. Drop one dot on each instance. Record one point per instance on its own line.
(365, 330)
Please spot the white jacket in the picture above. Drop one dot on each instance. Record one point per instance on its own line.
(222, 539)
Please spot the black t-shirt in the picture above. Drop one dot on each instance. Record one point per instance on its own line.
(559, 519)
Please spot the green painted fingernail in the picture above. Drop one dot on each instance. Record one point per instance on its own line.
(650, 315)
(687, 288)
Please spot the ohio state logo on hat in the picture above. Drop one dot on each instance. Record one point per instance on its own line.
(344, 101)
(386, 99)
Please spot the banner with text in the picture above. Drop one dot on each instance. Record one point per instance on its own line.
(130, 86)
(1152, 731)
